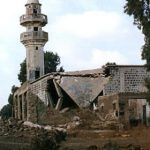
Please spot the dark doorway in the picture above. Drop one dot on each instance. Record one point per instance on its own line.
(37, 74)
(144, 114)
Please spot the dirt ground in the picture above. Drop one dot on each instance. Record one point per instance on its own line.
(92, 132)
(133, 139)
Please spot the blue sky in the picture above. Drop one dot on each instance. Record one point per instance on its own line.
(85, 33)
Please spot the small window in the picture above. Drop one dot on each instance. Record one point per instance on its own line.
(35, 11)
(36, 48)
(35, 28)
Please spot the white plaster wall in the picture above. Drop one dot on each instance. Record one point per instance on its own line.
(35, 59)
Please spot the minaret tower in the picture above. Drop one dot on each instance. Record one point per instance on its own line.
(34, 39)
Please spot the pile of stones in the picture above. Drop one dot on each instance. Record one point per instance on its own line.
(37, 136)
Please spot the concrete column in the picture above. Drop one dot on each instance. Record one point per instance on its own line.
(22, 107)
(18, 101)
(59, 104)
(27, 103)
(15, 107)
(25, 106)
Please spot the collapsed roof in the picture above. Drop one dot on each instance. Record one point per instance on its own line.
(83, 87)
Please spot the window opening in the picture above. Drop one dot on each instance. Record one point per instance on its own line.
(35, 28)
(37, 74)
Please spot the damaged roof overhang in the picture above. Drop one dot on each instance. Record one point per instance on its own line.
(83, 90)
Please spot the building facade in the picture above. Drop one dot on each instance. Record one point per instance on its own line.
(115, 87)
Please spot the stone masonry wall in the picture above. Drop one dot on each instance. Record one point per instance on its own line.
(39, 89)
(126, 79)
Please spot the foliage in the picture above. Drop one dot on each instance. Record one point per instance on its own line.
(6, 111)
(51, 63)
(22, 76)
(107, 69)
(140, 9)
(10, 98)
(147, 84)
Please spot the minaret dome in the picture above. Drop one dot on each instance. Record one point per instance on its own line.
(33, 1)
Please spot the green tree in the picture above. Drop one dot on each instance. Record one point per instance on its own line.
(51, 63)
(140, 10)
(22, 76)
(10, 98)
(106, 68)
(6, 111)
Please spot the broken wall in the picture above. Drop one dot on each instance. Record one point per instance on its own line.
(39, 88)
(109, 105)
(128, 106)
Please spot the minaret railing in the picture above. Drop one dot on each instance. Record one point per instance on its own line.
(36, 17)
(34, 35)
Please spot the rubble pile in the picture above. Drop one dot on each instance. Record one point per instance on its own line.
(87, 119)
(37, 136)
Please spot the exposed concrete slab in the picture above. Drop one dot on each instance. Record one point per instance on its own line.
(83, 90)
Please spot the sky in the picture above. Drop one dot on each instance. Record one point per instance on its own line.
(86, 34)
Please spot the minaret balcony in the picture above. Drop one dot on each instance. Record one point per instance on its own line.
(39, 18)
(34, 36)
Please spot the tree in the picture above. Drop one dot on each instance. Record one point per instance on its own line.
(51, 63)
(140, 10)
(22, 76)
(6, 111)
(10, 98)
(106, 68)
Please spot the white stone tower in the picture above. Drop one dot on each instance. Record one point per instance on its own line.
(34, 39)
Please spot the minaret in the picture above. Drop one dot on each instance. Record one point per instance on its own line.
(34, 39)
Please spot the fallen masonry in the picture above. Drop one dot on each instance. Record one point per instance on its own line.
(83, 131)
(19, 135)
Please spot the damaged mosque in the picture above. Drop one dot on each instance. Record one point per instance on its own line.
(117, 89)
